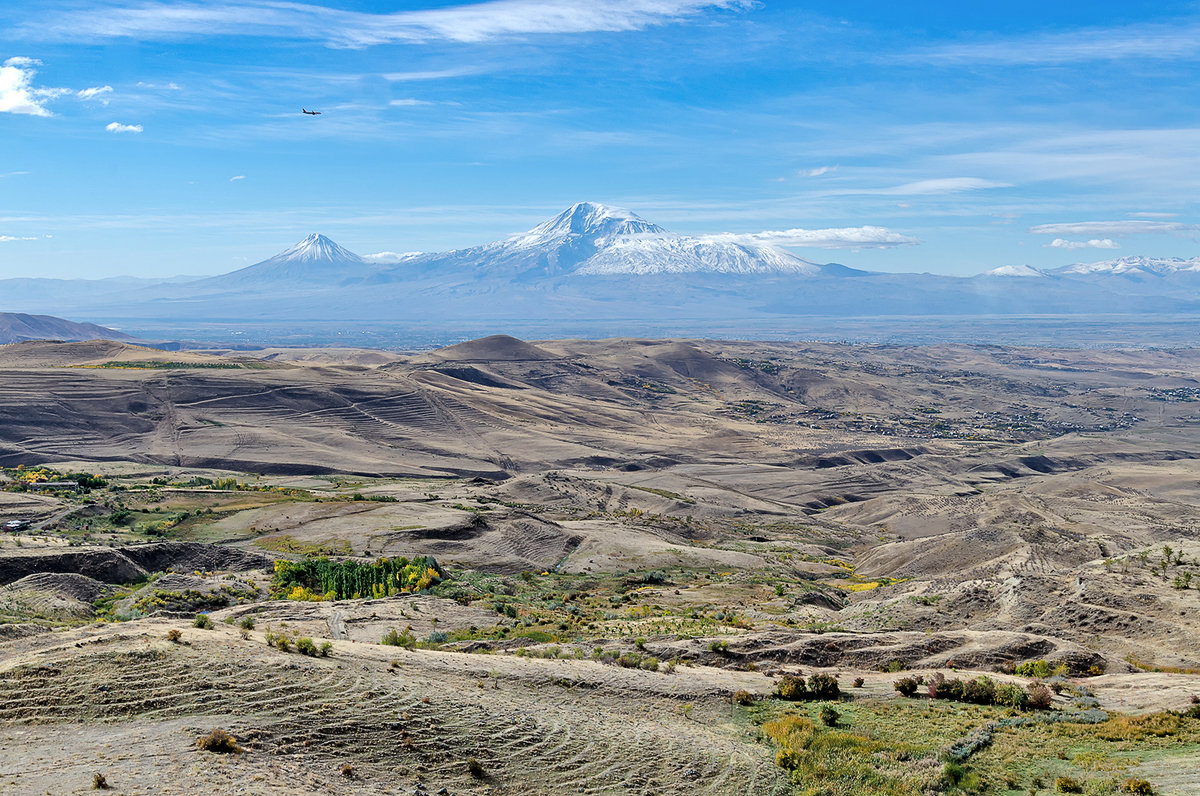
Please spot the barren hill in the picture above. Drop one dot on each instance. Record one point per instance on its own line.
(17, 326)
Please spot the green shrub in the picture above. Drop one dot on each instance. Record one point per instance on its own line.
(174, 636)
(907, 686)
(326, 648)
(202, 621)
(1138, 786)
(1067, 785)
(305, 646)
(823, 686)
(719, 646)
(792, 688)
(247, 623)
(979, 691)
(394, 638)
(829, 716)
(1039, 669)
(475, 768)
(1012, 696)
(743, 698)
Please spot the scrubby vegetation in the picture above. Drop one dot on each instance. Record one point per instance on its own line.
(219, 741)
(977, 691)
(819, 687)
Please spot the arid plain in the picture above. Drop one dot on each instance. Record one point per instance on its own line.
(636, 542)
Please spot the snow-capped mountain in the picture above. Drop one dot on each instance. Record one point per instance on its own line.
(1134, 264)
(589, 239)
(589, 219)
(314, 261)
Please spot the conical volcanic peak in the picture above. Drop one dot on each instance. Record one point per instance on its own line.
(314, 261)
(315, 248)
(590, 219)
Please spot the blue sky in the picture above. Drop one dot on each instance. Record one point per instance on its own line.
(162, 137)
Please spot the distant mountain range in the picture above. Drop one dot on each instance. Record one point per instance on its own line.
(597, 263)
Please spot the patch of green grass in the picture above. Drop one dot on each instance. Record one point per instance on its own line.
(289, 544)
(153, 364)
(663, 493)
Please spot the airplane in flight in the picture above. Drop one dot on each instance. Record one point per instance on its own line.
(310, 113)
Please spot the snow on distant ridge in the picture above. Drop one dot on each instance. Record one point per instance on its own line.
(1015, 270)
(1134, 264)
(678, 254)
(390, 258)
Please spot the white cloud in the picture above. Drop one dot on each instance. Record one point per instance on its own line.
(389, 258)
(237, 177)
(406, 103)
(161, 86)
(7, 238)
(1115, 228)
(838, 238)
(17, 93)
(96, 92)
(817, 172)
(1155, 215)
(12, 174)
(1063, 243)
(117, 127)
(471, 22)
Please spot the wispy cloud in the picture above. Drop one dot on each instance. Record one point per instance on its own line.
(17, 92)
(471, 22)
(432, 74)
(839, 238)
(117, 127)
(1063, 243)
(1144, 41)
(939, 186)
(1154, 215)
(237, 177)
(1116, 228)
(817, 172)
(8, 238)
(12, 174)
(408, 103)
(95, 93)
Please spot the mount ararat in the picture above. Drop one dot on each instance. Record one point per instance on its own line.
(604, 265)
